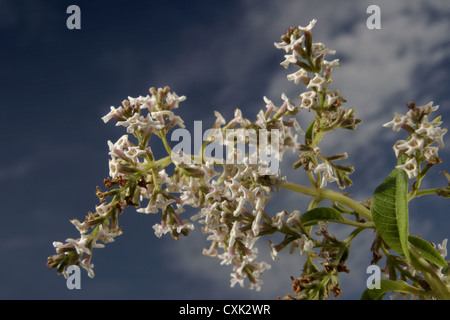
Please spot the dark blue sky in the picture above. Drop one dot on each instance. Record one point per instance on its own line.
(56, 84)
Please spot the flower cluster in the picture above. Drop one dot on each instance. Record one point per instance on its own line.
(134, 171)
(232, 207)
(425, 138)
(315, 72)
(230, 197)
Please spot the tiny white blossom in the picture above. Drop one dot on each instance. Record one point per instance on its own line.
(309, 100)
(289, 59)
(80, 245)
(331, 64)
(173, 100)
(327, 174)
(321, 228)
(255, 224)
(442, 248)
(234, 233)
(410, 168)
(430, 153)
(113, 113)
(161, 229)
(414, 145)
(277, 221)
(297, 76)
(237, 278)
(397, 123)
(89, 267)
(309, 26)
(318, 82)
(400, 145)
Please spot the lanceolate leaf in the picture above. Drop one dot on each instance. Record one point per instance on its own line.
(427, 251)
(389, 210)
(387, 286)
(313, 216)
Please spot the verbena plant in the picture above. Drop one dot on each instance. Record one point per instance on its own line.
(231, 193)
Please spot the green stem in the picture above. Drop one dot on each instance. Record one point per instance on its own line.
(330, 195)
(424, 192)
(166, 144)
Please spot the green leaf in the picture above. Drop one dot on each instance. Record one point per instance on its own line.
(387, 286)
(313, 216)
(309, 135)
(389, 211)
(427, 251)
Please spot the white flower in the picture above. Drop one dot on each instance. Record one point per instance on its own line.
(293, 216)
(321, 228)
(107, 234)
(237, 278)
(297, 76)
(88, 266)
(397, 123)
(304, 244)
(327, 174)
(277, 221)
(144, 102)
(289, 59)
(138, 122)
(431, 130)
(184, 226)
(216, 192)
(134, 152)
(151, 208)
(400, 145)
(273, 251)
(410, 168)
(318, 82)
(414, 145)
(442, 248)
(255, 223)
(81, 227)
(114, 113)
(269, 104)
(320, 49)
(80, 244)
(309, 100)
(430, 154)
(161, 229)
(103, 209)
(333, 96)
(241, 204)
(331, 64)
(227, 257)
(173, 100)
(288, 102)
(220, 120)
(289, 47)
(309, 26)
(262, 121)
(235, 188)
(234, 233)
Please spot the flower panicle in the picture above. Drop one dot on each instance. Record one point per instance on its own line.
(424, 141)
